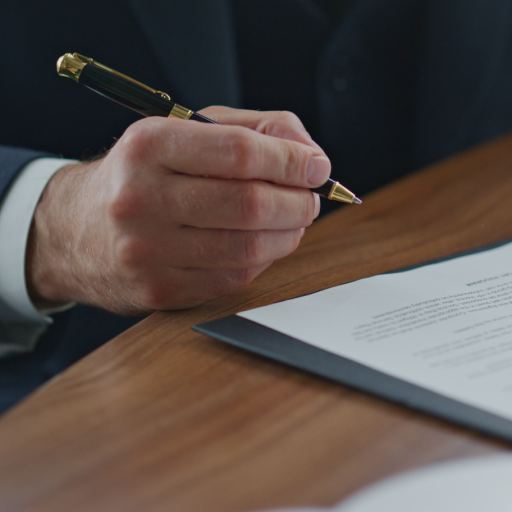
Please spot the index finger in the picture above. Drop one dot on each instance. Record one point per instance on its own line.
(235, 152)
(278, 123)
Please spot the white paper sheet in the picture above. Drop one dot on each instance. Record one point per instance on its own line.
(446, 326)
(474, 485)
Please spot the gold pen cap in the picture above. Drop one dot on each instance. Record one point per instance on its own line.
(70, 65)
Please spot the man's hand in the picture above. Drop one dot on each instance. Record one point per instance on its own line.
(178, 212)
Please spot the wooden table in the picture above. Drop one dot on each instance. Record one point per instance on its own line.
(162, 418)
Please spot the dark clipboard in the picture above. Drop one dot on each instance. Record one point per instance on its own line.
(264, 341)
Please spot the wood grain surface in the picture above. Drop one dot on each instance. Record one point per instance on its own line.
(162, 418)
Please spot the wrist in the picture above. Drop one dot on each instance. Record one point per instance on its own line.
(50, 259)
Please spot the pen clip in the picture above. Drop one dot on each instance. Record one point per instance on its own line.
(70, 65)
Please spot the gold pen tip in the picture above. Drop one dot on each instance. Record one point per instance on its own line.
(356, 200)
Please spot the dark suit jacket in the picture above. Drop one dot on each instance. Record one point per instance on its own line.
(399, 84)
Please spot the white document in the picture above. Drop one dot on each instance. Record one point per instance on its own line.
(446, 326)
(470, 485)
(474, 485)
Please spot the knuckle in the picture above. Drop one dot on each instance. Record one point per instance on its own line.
(242, 152)
(237, 279)
(127, 202)
(308, 209)
(253, 208)
(299, 234)
(136, 141)
(289, 118)
(292, 242)
(130, 252)
(231, 281)
(154, 295)
(287, 125)
(253, 249)
(242, 277)
(295, 164)
(218, 285)
(296, 239)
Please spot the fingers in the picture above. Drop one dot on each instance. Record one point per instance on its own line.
(231, 249)
(228, 152)
(195, 265)
(213, 248)
(204, 285)
(179, 288)
(196, 211)
(281, 124)
(234, 204)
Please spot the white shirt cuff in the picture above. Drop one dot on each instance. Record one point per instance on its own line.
(16, 212)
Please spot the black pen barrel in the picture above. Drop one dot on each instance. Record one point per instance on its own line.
(325, 189)
(203, 119)
(124, 92)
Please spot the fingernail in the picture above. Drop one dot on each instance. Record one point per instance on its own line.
(317, 205)
(319, 169)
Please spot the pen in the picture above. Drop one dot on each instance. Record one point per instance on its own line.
(147, 101)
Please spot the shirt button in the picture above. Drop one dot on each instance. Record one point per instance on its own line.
(339, 84)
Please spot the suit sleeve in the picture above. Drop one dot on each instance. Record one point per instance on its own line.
(23, 176)
(12, 161)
